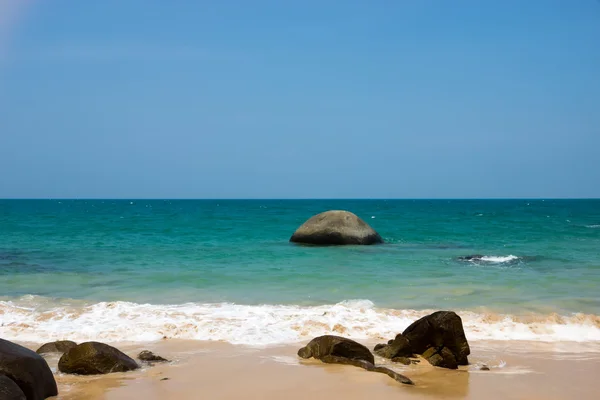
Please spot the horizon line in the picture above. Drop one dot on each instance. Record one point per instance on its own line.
(288, 198)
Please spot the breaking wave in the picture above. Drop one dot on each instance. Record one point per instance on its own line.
(500, 259)
(34, 320)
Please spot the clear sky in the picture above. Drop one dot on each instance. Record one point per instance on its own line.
(297, 99)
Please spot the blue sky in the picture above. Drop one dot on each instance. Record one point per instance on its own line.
(299, 99)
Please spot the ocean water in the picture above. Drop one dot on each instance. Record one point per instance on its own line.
(141, 270)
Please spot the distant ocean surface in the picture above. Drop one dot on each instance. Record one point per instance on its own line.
(141, 270)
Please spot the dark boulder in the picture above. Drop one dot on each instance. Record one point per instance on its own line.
(151, 357)
(338, 350)
(338, 346)
(60, 346)
(336, 228)
(9, 390)
(441, 333)
(440, 329)
(92, 358)
(28, 370)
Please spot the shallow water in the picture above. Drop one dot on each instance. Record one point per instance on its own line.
(225, 269)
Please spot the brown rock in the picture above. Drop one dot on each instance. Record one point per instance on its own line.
(330, 345)
(151, 357)
(440, 329)
(402, 360)
(92, 358)
(60, 346)
(400, 347)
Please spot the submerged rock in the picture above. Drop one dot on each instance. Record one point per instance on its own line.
(150, 356)
(9, 390)
(439, 337)
(60, 346)
(336, 228)
(92, 358)
(28, 370)
(338, 350)
(472, 257)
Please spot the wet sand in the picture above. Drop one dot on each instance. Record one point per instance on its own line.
(519, 370)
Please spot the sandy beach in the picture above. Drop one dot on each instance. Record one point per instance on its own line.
(518, 370)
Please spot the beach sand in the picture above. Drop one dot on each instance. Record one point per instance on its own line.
(214, 370)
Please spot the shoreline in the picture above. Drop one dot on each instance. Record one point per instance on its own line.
(519, 370)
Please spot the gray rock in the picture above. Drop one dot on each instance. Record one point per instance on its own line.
(336, 228)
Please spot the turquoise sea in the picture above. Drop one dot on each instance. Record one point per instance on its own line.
(224, 269)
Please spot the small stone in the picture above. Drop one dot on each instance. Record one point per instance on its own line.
(429, 353)
(484, 368)
(401, 360)
(164, 379)
(379, 346)
(150, 356)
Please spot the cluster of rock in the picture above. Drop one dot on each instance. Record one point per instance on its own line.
(25, 375)
(438, 338)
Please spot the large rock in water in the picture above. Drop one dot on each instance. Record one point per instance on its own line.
(335, 228)
(338, 350)
(92, 358)
(60, 346)
(439, 337)
(28, 370)
(9, 390)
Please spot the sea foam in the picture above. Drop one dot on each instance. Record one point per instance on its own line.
(262, 325)
(499, 259)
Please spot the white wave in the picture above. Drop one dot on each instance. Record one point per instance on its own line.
(592, 226)
(264, 324)
(499, 259)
